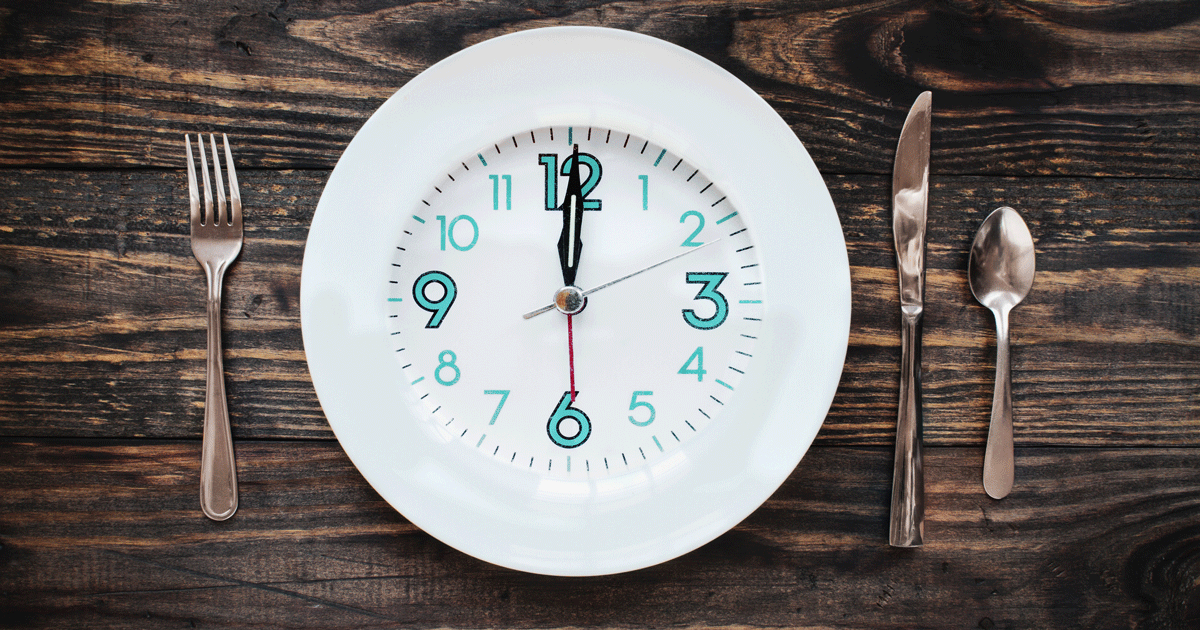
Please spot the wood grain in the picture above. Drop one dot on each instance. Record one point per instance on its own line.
(103, 312)
(108, 535)
(1021, 88)
(1083, 115)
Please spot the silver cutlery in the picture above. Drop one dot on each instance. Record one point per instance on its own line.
(910, 201)
(1001, 272)
(216, 242)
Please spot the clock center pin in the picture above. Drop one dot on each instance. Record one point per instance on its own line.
(569, 300)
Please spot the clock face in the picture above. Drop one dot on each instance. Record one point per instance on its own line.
(645, 364)
(575, 301)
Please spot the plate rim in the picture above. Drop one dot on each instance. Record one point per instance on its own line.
(430, 85)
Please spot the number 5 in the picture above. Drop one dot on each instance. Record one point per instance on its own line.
(635, 403)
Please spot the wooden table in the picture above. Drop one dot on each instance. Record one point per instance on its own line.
(1083, 115)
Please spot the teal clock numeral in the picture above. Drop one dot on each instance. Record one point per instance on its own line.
(708, 292)
(503, 394)
(568, 427)
(549, 162)
(696, 358)
(645, 191)
(445, 363)
(496, 192)
(635, 403)
(691, 240)
(440, 306)
(448, 232)
(593, 179)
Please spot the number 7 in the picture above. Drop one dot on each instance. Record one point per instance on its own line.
(503, 394)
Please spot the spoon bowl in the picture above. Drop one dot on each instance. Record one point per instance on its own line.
(1001, 273)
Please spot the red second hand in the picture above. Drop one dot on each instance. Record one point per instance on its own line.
(571, 355)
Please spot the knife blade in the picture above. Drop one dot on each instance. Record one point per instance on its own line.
(910, 201)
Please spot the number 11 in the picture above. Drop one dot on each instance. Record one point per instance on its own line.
(496, 191)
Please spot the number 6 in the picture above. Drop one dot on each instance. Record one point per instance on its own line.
(563, 413)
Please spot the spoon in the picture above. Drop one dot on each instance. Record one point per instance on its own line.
(1001, 273)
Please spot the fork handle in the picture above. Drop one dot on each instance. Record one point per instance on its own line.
(218, 475)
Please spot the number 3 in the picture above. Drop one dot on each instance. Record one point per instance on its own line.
(708, 292)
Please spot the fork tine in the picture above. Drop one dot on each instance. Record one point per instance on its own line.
(222, 217)
(235, 195)
(209, 219)
(193, 193)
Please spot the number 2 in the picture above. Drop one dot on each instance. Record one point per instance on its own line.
(691, 240)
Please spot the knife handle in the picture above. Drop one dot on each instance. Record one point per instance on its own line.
(908, 480)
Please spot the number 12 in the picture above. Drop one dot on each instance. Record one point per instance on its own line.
(549, 162)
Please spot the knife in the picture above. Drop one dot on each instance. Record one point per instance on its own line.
(910, 200)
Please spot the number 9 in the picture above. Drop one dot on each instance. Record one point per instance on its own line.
(441, 305)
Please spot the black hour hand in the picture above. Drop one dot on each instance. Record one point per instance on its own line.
(569, 242)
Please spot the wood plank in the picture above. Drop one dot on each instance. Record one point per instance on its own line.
(102, 325)
(1041, 88)
(108, 535)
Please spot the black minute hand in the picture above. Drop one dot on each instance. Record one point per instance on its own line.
(569, 243)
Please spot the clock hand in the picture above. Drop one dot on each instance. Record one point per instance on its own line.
(579, 295)
(571, 355)
(569, 242)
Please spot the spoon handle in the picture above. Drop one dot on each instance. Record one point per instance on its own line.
(998, 458)
(908, 478)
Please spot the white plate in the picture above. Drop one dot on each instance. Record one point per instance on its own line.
(614, 79)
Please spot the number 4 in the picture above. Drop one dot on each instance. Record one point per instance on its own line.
(698, 359)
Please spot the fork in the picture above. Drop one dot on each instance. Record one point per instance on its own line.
(216, 242)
